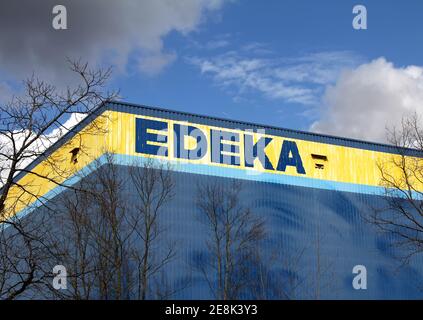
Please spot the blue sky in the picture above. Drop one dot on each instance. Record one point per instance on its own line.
(276, 31)
(293, 63)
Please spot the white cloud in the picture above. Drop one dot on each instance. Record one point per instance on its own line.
(299, 80)
(367, 100)
(216, 44)
(153, 64)
(40, 145)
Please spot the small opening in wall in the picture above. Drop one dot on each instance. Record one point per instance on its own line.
(319, 160)
(319, 157)
(319, 166)
(74, 155)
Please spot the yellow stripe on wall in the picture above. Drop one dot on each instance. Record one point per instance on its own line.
(115, 132)
(345, 164)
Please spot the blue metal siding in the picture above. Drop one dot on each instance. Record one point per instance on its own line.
(295, 218)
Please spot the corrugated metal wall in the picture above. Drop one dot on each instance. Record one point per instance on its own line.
(315, 232)
(313, 240)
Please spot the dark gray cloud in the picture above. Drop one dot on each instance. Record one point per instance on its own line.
(98, 31)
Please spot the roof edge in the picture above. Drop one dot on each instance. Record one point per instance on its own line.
(107, 105)
(394, 149)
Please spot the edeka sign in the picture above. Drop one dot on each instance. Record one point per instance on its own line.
(212, 145)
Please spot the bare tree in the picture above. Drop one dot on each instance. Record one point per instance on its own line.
(323, 280)
(269, 284)
(109, 230)
(402, 176)
(32, 122)
(111, 240)
(29, 124)
(72, 244)
(287, 275)
(21, 252)
(78, 253)
(94, 238)
(154, 187)
(234, 234)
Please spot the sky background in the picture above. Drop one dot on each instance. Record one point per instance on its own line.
(295, 64)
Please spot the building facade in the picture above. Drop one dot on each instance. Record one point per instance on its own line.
(312, 192)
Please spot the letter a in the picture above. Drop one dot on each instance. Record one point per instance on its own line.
(360, 280)
(60, 20)
(60, 280)
(360, 20)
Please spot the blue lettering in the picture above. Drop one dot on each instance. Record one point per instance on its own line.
(200, 150)
(218, 146)
(252, 152)
(143, 137)
(290, 157)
